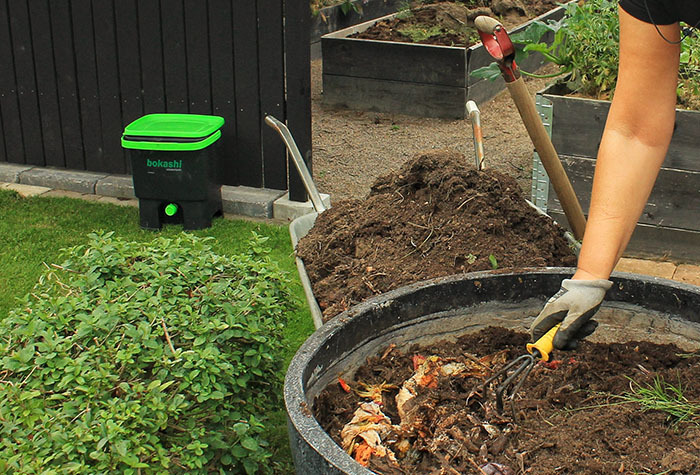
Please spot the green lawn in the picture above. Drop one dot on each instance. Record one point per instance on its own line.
(34, 230)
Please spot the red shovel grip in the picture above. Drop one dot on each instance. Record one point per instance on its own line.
(497, 42)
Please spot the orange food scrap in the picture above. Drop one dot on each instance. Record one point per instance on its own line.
(363, 453)
(344, 385)
(428, 381)
(417, 361)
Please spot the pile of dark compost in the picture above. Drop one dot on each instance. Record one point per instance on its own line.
(436, 216)
(572, 416)
(451, 23)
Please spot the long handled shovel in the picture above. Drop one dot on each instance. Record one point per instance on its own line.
(498, 44)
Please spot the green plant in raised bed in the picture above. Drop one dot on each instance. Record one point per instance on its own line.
(585, 47)
(161, 357)
(689, 72)
(348, 5)
(404, 10)
(418, 34)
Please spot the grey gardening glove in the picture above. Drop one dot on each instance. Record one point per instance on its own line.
(574, 305)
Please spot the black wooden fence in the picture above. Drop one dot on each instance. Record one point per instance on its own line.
(74, 73)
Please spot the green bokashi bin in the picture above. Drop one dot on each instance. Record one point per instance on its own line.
(176, 166)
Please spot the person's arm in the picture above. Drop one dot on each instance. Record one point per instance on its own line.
(633, 147)
(634, 144)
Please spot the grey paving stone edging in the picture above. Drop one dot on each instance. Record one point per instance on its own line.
(116, 186)
(247, 201)
(69, 180)
(10, 172)
(237, 200)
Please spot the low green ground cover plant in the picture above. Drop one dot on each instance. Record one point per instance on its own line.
(142, 355)
(158, 356)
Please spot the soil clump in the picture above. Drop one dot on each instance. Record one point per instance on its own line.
(574, 415)
(435, 216)
(451, 23)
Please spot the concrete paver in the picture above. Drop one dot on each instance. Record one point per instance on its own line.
(285, 209)
(646, 267)
(25, 191)
(118, 186)
(80, 181)
(244, 200)
(688, 273)
(10, 172)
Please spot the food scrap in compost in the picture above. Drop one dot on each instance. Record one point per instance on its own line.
(438, 419)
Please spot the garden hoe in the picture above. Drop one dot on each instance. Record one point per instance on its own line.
(498, 44)
(513, 374)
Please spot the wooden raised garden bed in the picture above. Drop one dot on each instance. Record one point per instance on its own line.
(669, 224)
(330, 19)
(409, 78)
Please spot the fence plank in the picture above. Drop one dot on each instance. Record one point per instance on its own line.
(298, 87)
(174, 60)
(63, 53)
(197, 50)
(271, 44)
(125, 11)
(86, 73)
(222, 82)
(3, 151)
(26, 84)
(248, 121)
(46, 83)
(129, 64)
(9, 103)
(108, 83)
(151, 50)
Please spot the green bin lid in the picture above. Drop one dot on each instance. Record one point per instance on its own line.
(174, 125)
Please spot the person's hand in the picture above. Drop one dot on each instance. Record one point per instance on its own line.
(574, 305)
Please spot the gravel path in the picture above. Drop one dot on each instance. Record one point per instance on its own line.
(352, 148)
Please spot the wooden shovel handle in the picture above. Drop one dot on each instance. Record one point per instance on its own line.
(548, 155)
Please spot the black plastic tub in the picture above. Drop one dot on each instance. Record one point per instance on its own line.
(636, 308)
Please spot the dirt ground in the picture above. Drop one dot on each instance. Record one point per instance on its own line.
(435, 216)
(351, 149)
(573, 415)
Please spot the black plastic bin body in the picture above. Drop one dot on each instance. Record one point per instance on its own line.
(177, 179)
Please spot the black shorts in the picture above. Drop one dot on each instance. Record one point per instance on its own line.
(664, 12)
